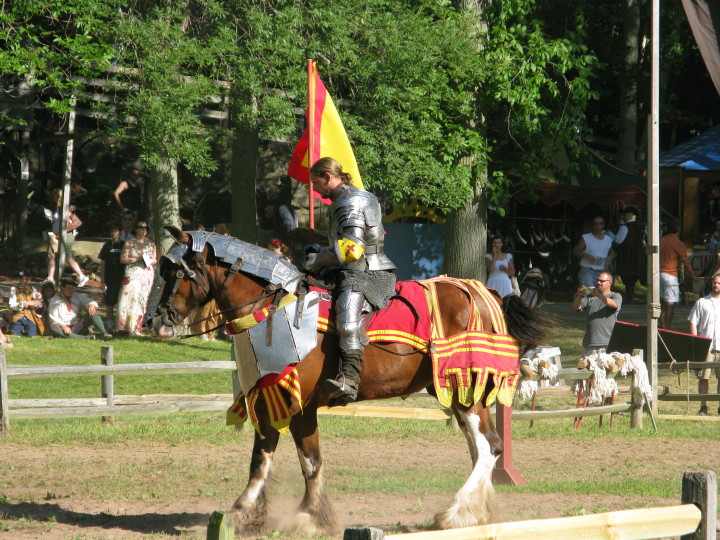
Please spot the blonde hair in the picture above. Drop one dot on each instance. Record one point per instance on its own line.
(332, 166)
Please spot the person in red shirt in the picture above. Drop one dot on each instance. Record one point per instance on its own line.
(672, 253)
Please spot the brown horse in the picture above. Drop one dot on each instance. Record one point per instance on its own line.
(392, 370)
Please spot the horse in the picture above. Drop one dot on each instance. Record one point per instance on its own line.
(391, 370)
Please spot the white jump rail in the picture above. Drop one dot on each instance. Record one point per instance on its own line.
(695, 519)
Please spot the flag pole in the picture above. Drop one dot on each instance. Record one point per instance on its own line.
(311, 140)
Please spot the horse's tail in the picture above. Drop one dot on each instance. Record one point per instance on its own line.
(529, 326)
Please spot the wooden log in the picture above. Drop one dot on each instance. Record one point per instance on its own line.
(700, 489)
(220, 526)
(46, 372)
(107, 388)
(4, 399)
(627, 524)
(685, 418)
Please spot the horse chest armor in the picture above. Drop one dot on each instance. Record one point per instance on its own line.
(255, 358)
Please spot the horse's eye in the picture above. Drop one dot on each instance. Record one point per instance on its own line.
(179, 274)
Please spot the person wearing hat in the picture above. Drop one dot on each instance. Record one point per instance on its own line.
(631, 263)
(72, 313)
(24, 303)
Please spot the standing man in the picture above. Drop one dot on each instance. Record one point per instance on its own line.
(705, 321)
(111, 273)
(595, 252)
(129, 193)
(672, 253)
(602, 307)
(631, 260)
(128, 225)
(357, 262)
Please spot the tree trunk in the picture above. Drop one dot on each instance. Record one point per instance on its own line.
(245, 151)
(466, 229)
(166, 211)
(165, 203)
(628, 111)
(466, 236)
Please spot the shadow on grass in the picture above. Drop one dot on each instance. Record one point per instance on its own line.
(49, 513)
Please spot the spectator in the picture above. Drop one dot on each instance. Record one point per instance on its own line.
(631, 258)
(111, 273)
(128, 225)
(276, 246)
(595, 252)
(276, 218)
(4, 341)
(47, 291)
(500, 268)
(54, 240)
(25, 302)
(139, 256)
(72, 313)
(221, 229)
(602, 307)
(672, 253)
(128, 193)
(714, 243)
(705, 321)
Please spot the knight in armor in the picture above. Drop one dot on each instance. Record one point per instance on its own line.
(355, 259)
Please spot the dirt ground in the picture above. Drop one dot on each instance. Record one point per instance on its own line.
(56, 493)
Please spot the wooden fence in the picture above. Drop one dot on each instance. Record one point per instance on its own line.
(687, 369)
(109, 405)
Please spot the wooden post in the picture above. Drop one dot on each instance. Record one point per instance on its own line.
(107, 382)
(636, 398)
(4, 399)
(366, 533)
(700, 489)
(503, 473)
(220, 526)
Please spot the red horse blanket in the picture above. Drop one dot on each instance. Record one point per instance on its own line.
(463, 364)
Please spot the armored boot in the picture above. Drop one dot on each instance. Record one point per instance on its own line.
(343, 389)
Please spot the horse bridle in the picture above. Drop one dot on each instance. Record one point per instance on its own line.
(170, 317)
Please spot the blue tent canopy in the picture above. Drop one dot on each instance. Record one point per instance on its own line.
(701, 153)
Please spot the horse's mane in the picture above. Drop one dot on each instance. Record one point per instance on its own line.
(248, 258)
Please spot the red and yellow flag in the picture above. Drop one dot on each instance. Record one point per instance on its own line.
(324, 137)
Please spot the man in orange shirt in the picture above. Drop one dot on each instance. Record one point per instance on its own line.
(672, 253)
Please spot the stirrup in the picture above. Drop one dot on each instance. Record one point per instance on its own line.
(341, 393)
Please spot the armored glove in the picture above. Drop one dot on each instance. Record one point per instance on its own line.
(314, 262)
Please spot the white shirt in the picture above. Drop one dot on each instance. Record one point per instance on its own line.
(67, 315)
(622, 232)
(597, 247)
(704, 315)
(16, 305)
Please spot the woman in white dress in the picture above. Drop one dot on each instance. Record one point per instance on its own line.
(500, 268)
(139, 256)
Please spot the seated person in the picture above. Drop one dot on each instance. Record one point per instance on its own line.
(72, 313)
(25, 302)
(47, 291)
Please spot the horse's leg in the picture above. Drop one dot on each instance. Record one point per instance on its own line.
(474, 502)
(250, 509)
(315, 515)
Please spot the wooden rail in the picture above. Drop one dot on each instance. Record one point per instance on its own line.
(694, 519)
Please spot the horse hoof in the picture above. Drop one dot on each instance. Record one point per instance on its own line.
(247, 524)
(305, 525)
